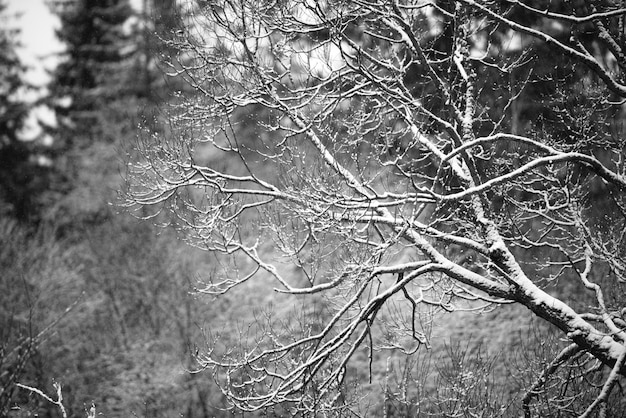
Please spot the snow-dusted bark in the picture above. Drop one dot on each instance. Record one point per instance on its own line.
(370, 147)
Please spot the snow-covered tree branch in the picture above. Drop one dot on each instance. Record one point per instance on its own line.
(450, 155)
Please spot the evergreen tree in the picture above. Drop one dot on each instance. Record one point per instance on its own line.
(93, 94)
(22, 178)
(108, 71)
(91, 72)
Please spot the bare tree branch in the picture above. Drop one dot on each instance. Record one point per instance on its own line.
(367, 153)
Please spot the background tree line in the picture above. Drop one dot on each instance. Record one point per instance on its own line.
(90, 299)
(101, 303)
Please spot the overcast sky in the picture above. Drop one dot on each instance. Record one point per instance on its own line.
(39, 46)
(37, 36)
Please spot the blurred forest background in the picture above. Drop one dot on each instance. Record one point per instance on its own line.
(104, 305)
(93, 300)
